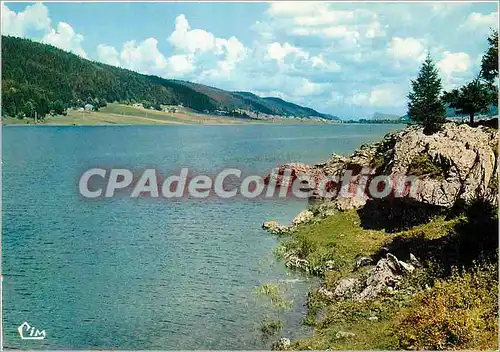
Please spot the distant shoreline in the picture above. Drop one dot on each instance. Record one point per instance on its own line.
(119, 114)
(237, 123)
(256, 122)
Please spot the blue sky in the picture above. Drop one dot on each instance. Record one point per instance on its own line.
(348, 59)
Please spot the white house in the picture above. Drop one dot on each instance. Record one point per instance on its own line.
(89, 107)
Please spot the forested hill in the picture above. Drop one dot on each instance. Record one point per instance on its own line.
(46, 78)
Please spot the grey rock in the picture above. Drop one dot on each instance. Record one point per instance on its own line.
(384, 277)
(346, 288)
(393, 262)
(275, 228)
(467, 157)
(414, 261)
(292, 261)
(363, 261)
(303, 217)
(282, 344)
(344, 334)
(406, 268)
(380, 277)
(326, 293)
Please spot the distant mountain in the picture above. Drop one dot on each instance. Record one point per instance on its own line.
(384, 116)
(41, 77)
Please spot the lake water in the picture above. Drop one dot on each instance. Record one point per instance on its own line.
(141, 273)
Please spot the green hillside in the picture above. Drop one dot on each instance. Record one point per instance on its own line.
(39, 77)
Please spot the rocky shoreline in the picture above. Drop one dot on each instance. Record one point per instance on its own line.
(456, 167)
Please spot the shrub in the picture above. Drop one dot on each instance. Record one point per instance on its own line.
(269, 328)
(458, 313)
(422, 165)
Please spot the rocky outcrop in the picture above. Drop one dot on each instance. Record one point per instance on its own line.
(275, 228)
(384, 276)
(456, 164)
(303, 217)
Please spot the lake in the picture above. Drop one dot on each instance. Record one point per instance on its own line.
(149, 273)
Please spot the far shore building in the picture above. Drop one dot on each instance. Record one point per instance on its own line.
(88, 107)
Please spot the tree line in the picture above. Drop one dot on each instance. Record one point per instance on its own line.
(41, 78)
(427, 103)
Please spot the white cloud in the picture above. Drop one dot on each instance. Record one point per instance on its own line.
(144, 57)
(406, 48)
(383, 95)
(300, 50)
(386, 96)
(190, 48)
(454, 62)
(64, 37)
(278, 52)
(320, 62)
(34, 17)
(454, 66)
(308, 88)
(292, 8)
(478, 20)
(320, 20)
(191, 40)
(108, 55)
(180, 65)
(358, 98)
(232, 48)
(194, 42)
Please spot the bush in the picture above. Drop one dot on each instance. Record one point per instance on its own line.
(459, 313)
(422, 165)
(269, 328)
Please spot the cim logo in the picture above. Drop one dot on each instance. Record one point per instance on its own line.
(28, 332)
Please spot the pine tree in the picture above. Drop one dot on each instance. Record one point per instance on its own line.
(474, 97)
(489, 63)
(425, 106)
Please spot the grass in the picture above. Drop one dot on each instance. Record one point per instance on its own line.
(459, 313)
(422, 165)
(272, 327)
(428, 311)
(120, 114)
(337, 238)
(274, 296)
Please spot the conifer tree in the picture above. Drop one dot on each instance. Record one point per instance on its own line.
(489, 62)
(474, 97)
(425, 106)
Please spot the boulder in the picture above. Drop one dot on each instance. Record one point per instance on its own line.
(322, 291)
(456, 164)
(282, 344)
(344, 335)
(346, 288)
(275, 228)
(303, 217)
(385, 276)
(414, 261)
(465, 156)
(293, 261)
(363, 261)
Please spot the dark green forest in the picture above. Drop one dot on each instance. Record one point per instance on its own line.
(41, 78)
